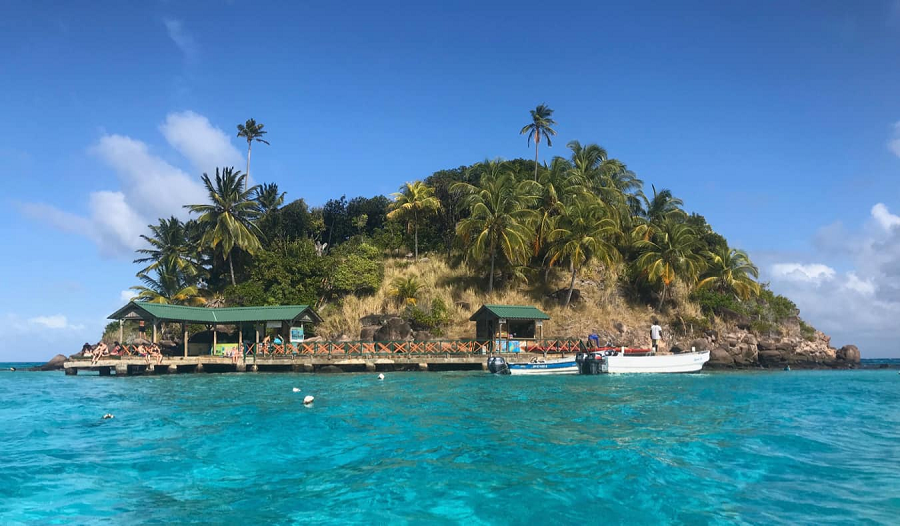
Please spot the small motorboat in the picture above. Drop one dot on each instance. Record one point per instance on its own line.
(603, 361)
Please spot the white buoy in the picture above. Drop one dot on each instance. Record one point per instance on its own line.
(107, 416)
(296, 389)
(381, 376)
(308, 400)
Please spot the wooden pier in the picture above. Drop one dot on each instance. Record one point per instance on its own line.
(128, 366)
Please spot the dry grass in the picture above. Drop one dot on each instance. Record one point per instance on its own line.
(601, 308)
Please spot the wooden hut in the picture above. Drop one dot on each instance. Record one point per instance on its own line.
(510, 327)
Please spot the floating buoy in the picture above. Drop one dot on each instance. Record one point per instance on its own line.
(381, 376)
(296, 389)
(308, 400)
(107, 416)
(12, 369)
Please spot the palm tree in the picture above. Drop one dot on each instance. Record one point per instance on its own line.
(267, 198)
(228, 221)
(414, 202)
(169, 286)
(251, 131)
(653, 212)
(499, 219)
(406, 290)
(170, 246)
(583, 232)
(672, 254)
(731, 270)
(556, 188)
(540, 126)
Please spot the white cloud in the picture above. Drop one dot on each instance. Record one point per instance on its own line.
(149, 186)
(57, 321)
(127, 295)
(204, 145)
(884, 217)
(809, 273)
(866, 287)
(184, 40)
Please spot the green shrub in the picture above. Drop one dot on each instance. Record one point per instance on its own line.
(807, 331)
(432, 320)
(713, 302)
(763, 327)
(357, 268)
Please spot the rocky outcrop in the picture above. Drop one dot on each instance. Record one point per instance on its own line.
(848, 354)
(744, 349)
(55, 364)
(394, 328)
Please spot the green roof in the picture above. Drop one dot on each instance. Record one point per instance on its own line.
(510, 312)
(140, 310)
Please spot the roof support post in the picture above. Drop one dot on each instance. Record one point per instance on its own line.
(240, 327)
(184, 330)
(122, 332)
(214, 339)
(154, 331)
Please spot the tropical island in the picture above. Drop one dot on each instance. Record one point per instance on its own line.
(581, 236)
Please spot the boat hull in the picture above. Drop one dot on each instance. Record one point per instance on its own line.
(544, 368)
(659, 363)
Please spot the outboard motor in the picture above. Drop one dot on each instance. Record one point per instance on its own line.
(498, 365)
(591, 363)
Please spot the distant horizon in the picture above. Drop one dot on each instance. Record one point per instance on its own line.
(778, 123)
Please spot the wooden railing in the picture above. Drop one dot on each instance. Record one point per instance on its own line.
(325, 348)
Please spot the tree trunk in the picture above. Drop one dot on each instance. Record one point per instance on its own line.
(231, 269)
(491, 277)
(416, 219)
(662, 297)
(537, 139)
(248, 161)
(571, 287)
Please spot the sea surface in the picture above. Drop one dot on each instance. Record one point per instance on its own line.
(800, 447)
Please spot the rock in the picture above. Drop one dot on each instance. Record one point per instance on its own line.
(767, 357)
(55, 364)
(848, 353)
(676, 349)
(712, 335)
(699, 344)
(422, 336)
(766, 345)
(396, 329)
(367, 334)
(719, 357)
(329, 369)
(376, 320)
(750, 339)
(621, 327)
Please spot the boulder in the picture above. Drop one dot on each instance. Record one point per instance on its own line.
(700, 344)
(373, 320)
(719, 357)
(422, 336)
(367, 334)
(396, 329)
(750, 339)
(313, 339)
(766, 345)
(770, 357)
(55, 364)
(848, 353)
(621, 327)
(561, 295)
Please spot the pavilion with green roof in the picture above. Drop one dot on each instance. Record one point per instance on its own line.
(288, 316)
(509, 322)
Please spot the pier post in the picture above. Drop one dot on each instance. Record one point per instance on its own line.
(121, 369)
(484, 366)
(240, 367)
(214, 339)
(199, 368)
(71, 371)
(308, 368)
(370, 367)
(423, 366)
(151, 369)
(254, 368)
(172, 369)
(184, 329)
(122, 332)
(104, 371)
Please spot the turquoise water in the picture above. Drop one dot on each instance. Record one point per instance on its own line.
(798, 447)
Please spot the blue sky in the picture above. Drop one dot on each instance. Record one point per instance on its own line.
(778, 121)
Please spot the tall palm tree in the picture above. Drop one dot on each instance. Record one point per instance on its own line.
(500, 217)
(556, 187)
(169, 286)
(540, 126)
(414, 202)
(268, 198)
(671, 254)
(583, 233)
(731, 270)
(228, 221)
(170, 246)
(656, 210)
(251, 131)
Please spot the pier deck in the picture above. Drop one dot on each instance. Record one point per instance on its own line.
(132, 365)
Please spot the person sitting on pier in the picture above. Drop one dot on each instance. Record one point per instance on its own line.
(154, 353)
(87, 350)
(100, 350)
(117, 349)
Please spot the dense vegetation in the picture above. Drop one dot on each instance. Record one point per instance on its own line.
(510, 223)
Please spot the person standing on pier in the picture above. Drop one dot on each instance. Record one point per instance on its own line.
(655, 335)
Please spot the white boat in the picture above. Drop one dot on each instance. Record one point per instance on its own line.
(535, 366)
(600, 362)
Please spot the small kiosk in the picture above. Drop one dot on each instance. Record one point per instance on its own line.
(510, 328)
